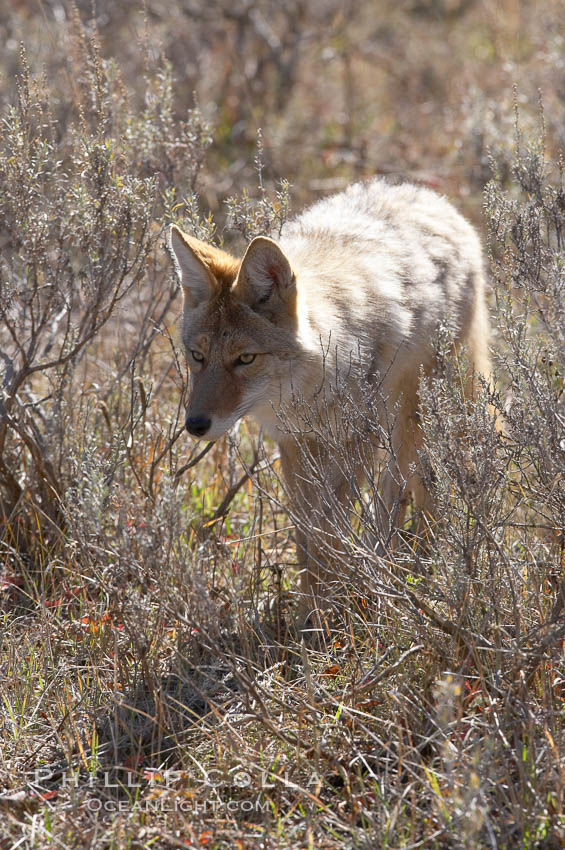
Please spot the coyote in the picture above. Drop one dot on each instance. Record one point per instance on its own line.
(352, 292)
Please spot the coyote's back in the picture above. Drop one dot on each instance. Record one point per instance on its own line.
(383, 266)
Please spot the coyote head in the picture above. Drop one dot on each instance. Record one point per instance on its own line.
(239, 330)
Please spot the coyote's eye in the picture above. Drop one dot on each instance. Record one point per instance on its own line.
(245, 359)
(197, 355)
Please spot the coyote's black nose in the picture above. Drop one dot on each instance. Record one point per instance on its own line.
(197, 425)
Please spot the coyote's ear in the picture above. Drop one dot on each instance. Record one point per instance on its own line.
(266, 281)
(189, 257)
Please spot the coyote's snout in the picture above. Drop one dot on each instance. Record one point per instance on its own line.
(355, 288)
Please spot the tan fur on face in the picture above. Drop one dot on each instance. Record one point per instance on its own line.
(234, 308)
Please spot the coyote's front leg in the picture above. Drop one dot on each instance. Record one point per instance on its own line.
(318, 494)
